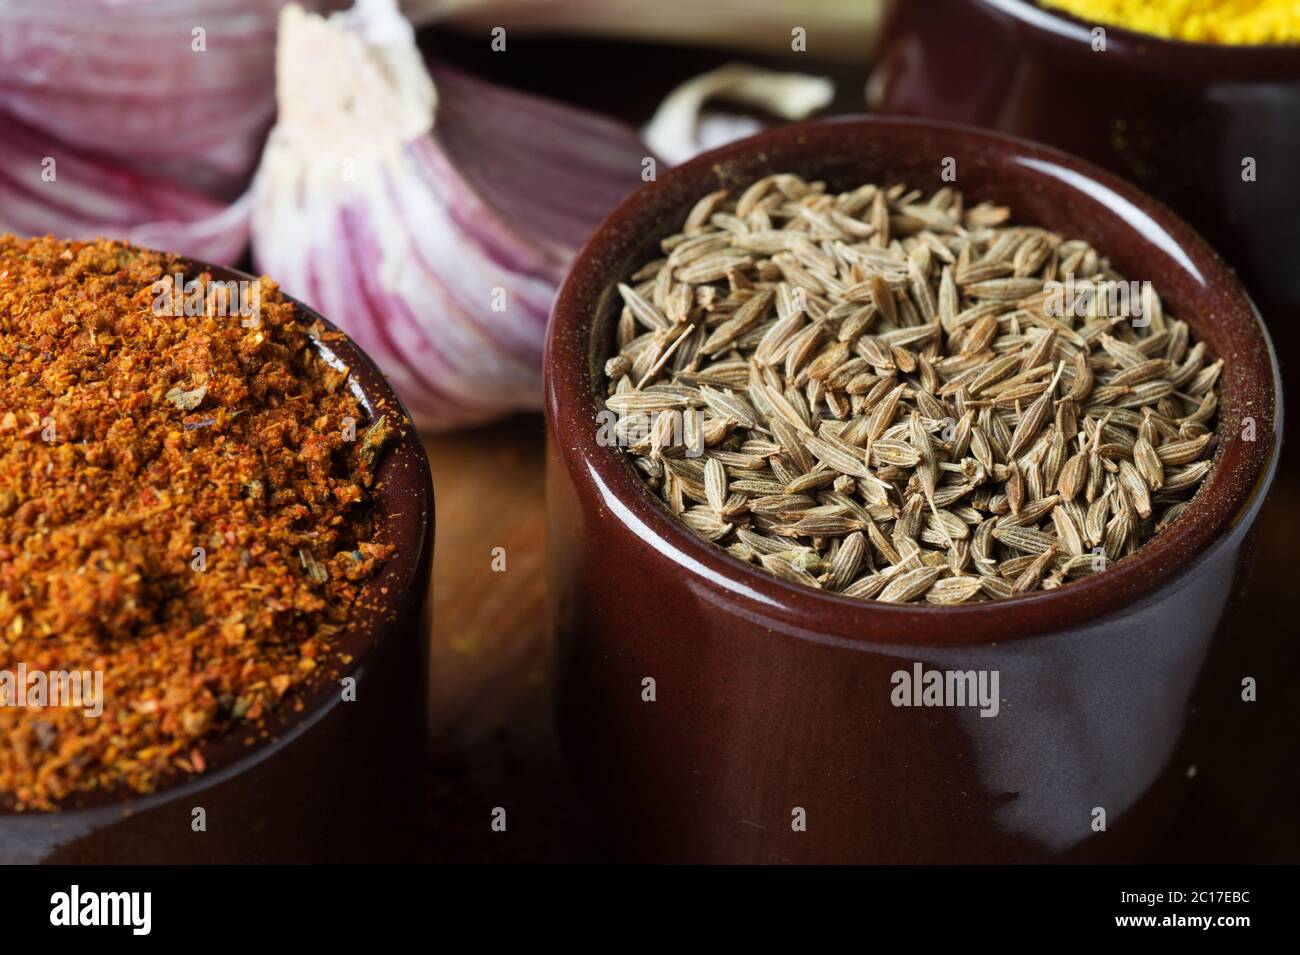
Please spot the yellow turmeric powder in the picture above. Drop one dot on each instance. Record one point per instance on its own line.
(1197, 21)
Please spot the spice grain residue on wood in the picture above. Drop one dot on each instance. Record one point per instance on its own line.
(904, 398)
(184, 507)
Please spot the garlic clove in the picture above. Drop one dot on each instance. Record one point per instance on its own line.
(176, 89)
(47, 186)
(430, 215)
(681, 128)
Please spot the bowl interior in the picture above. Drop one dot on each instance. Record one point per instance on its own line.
(1043, 187)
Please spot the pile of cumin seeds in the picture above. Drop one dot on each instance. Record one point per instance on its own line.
(900, 398)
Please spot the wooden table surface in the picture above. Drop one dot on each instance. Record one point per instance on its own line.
(492, 742)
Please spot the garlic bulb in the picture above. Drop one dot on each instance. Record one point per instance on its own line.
(430, 215)
(141, 120)
(180, 89)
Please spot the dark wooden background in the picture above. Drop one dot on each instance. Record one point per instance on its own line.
(492, 742)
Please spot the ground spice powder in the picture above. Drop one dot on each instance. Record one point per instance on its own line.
(129, 437)
(1197, 21)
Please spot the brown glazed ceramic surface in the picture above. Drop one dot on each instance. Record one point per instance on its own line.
(1176, 118)
(771, 697)
(337, 782)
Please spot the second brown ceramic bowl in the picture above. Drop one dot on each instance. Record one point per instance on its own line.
(772, 702)
(1213, 130)
(334, 781)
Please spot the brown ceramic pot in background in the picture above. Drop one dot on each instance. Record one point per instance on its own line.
(1179, 119)
(337, 782)
(769, 697)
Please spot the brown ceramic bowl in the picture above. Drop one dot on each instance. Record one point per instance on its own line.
(1176, 118)
(338, 781)
(771, 697)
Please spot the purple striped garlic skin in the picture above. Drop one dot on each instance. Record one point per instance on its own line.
(47, 186)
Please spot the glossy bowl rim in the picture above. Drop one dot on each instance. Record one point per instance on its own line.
(570, 396)
(1068, 26)
(230, 757)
